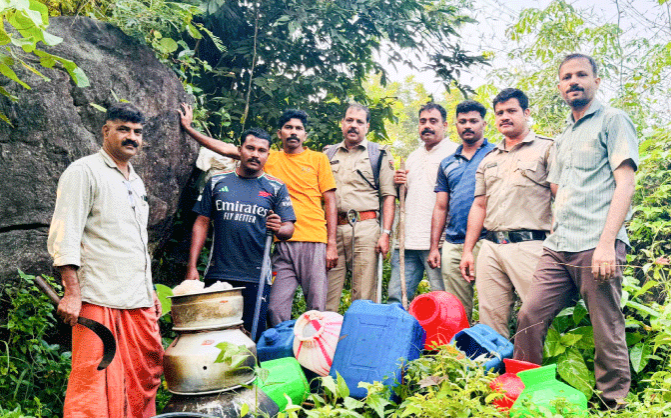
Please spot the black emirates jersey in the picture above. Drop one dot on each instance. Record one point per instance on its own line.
(238, 207)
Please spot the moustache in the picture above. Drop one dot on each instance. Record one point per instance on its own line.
(467, 131)
(253, 160)
(129, 142)
(353, 130)
(294, 137)
(428, 131)
(575, 88)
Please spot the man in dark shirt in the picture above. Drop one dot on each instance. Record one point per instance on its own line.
(242, 204)
(455, 188)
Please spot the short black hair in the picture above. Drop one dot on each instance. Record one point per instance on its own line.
(257, 132)
(577, 55)
(471, 106)
(293, 114)
(360, 107)
(124, 112)
(431, 106)
(511, 93)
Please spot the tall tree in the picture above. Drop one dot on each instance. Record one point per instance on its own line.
(316, 55)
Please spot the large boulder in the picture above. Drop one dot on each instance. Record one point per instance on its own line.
(55, 123)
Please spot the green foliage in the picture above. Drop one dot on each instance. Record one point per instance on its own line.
(316, 55)
(163, 292)
(19, 47)
(33, 369)
(446, 383)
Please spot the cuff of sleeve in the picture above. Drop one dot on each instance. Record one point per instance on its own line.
(65, 260)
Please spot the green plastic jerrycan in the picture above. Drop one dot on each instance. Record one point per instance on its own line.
(541, 388)
(284, 375)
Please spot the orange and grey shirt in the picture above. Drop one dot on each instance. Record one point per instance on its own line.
(515, 183)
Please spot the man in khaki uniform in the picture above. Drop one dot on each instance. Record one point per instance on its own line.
(360, 190)
(512, 201)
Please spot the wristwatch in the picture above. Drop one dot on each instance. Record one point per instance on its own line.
(387, 231)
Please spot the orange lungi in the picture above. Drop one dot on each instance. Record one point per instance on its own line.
(127, 388)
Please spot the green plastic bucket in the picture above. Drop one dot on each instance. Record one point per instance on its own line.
(541, 388)
(284, 376)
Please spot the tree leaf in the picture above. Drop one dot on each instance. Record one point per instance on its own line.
(168, 45)
(569, 339)
(101, 109)
(639, 356)
(351, 403)
(9, 73)
(572, 368)
(343, 390)
(587, 340)
(552, 346)
(162, 291)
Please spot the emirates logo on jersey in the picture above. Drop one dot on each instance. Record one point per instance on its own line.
(264, 193)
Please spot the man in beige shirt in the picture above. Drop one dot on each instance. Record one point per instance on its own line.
(512, 201)
(359, 189)
(419, 176)
(98, 240)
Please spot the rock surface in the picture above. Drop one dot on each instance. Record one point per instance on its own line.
(55, 123)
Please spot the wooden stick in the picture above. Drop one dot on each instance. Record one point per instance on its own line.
(401, 240)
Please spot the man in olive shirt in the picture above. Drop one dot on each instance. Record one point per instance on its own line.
(358, 188)
(512, 201)
(593, 177)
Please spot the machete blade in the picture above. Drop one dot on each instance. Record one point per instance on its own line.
(109, 345)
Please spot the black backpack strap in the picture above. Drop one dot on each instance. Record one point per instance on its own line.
(331, 151)
(375, 155)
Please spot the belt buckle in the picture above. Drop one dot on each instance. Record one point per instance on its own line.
(502, 237)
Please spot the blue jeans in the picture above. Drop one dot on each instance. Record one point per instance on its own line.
(415, 266)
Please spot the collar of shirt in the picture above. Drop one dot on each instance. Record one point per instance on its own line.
(501, 146)
(436, 147)
(460, 149)
(593, 108)
(363, 144)
(110, 162)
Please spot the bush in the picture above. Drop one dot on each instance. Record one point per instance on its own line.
(33, 370)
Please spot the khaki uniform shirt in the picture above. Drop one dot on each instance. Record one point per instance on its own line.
(100, 225)
(516, 186)
(354, 178)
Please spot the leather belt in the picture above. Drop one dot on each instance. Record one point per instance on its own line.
(506, 237)
(361, 216)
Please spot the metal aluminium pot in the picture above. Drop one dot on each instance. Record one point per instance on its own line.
(225, 404)
(190, 368)
(206, 310)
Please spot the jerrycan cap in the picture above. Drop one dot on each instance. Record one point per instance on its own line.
(271, 335)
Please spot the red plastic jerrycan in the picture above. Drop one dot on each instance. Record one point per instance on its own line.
(441, 315)
(509, 383)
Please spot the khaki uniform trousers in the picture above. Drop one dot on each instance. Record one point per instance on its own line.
(452, 278)
(502, 270)
(364, 269)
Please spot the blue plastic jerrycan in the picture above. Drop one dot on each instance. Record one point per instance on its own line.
(376, 341)
(481, 342)
(277, 342)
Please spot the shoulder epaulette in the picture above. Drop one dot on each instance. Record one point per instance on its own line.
(544, 137)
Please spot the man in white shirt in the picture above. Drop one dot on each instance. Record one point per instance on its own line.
(420, 180)
(98, 240)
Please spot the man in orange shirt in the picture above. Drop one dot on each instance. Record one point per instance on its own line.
(305, 258)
